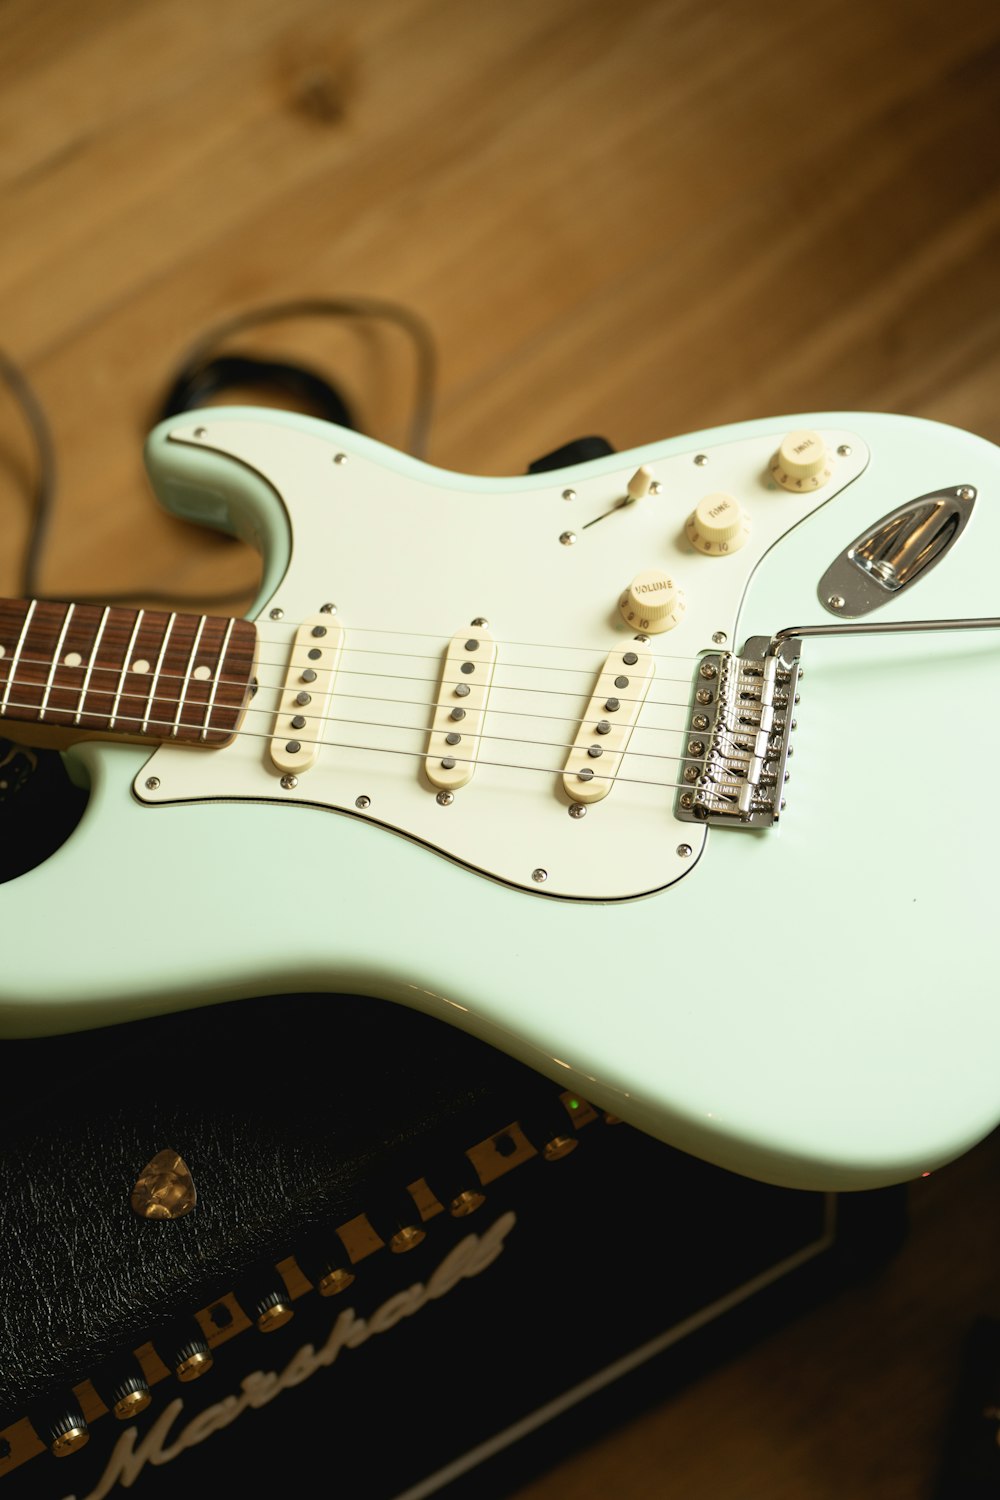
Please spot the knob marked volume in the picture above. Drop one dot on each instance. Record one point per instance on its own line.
(652, 603)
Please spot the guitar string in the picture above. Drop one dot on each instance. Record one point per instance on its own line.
(341, 671)
(514, 739)
(528, 666)
(474, 761)
(283, 626)
(499, 666)
(445, 641)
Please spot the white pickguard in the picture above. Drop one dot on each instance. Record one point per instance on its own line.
(408, 565)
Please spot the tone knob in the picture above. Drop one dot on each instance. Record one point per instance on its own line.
(717, 525)
(652, 603)
(801, 462)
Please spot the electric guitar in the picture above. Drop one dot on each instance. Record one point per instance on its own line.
(671, 774)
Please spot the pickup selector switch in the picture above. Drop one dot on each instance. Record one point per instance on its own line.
(801, 462)
(718, 525)
(652, 603)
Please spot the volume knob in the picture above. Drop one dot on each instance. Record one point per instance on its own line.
(801, 462)
(652, 603)
(717, 525)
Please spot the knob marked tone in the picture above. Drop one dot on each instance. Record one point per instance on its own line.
(717, 525)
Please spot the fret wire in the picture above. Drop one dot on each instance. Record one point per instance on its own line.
(17, 655)
(187, 675)
(217, 675)
(55, 661)
(403, 677)
(90, 665)
(517, 713)
(156, 671)
(121, 682)
(324, 744)
(421, 729)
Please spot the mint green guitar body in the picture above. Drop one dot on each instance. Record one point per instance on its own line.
(813, 1004)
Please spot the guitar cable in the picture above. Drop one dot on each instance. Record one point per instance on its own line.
(202, 374)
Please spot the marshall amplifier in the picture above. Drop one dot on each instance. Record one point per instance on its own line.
(408, 1264)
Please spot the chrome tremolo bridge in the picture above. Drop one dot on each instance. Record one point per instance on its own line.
(738, 735)
(741, 720)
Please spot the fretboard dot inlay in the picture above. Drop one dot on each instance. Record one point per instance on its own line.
(88, 668)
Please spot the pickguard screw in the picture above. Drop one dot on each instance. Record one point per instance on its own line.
(480, 623)
(687, 801)
(701, 459)
(707, 669)
(152, 783)
(569, 494)
(642, 639)
(719, 637)
(340, 458)
(836, 601)
(289, 783)
(844, 450)
(539, 876)
(568, 538)
(277, 614)
(328, 609)
(655, 487)
(200, 432)
(684, 850)
(445, 799)
(577, 810)
(362, 802)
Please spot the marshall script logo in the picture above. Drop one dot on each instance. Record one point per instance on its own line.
(468, 1258)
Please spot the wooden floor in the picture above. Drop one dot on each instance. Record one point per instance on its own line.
(637, 218)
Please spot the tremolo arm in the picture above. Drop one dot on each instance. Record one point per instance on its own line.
(740, 722)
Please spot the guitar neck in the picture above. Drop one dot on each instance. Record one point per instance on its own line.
(89, 669)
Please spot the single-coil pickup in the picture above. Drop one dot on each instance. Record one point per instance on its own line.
(606, 726)
(461, 706)
(301, 717)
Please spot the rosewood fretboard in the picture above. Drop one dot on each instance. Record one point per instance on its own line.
(138, 672)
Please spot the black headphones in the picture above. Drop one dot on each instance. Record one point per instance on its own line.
(203, 373)
(198, 381)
